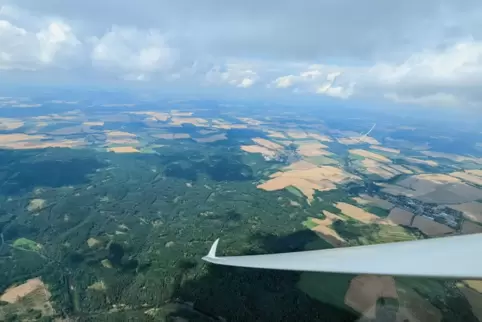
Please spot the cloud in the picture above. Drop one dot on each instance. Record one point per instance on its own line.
(406, 52)
(233, 73)
(317, 79)
(132, 52)
(25, 48)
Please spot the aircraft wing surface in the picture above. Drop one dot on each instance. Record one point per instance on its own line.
(448, 257)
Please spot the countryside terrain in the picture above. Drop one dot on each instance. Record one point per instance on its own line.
(107, 206)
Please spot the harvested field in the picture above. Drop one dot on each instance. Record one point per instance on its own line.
(10, 124)
(92, 242)
(17, 137)
(300, 165)
(469, 227)
(23, 145)
(365, 291)
(153, 116)
(93, 123)
(357, 140)
(365, 199)
(360, 214)
(268, 144)
(297, 134)
(36, 204)
(399, 168)
(373, 167)
(370, 155)
(420, 161)
(435, 188)
(470, 210)
(453, 157)
(123, 149)
(322, 138)
(196, 121)
(277, 135)
(250, 121)
(431, 228)
(308, 180)
(474, 284)
(385, 149)
(401, 217)
(116, 134)
(171, 136)
(258, 149)
(328, 234)
(212, 138)
(16, 293)
(468, 177)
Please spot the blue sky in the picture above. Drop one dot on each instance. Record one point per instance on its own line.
(426, 53)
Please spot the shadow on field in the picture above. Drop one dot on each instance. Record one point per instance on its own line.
(239, 294)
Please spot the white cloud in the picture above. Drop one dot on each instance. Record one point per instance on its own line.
(132, 52)
(236, 74)
(317, 79)
(28, 49)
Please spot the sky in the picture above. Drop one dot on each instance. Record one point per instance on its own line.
(422, 53)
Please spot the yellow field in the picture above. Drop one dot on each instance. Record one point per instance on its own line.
(469, 177)
(360, 214)
(123, 149)
(268, 144)
(385, 149)
(370, 155)
(308, 179)
(327, 233)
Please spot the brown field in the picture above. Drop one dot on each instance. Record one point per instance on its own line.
(123, 149)
(374, 167)
(231, 126)
(469, 227)
(258, 149)
(15, 293)
(431, 228)
(475, 300)
(453, 157)
(268, 144)
(250, 121)
(360, 214)
(322, 138)
(196, 121)
(474, 284)
(171, 136)
(357, 140)
(10, 124)
(470, 210)
(93, 123)
(365, 291)
(92, 242)
(370, 155)
(154, 116)
(365, 199)
(385, 149)
(435, 188)
(16, 137)
(301, 165)
(468, 177)
(328, 234)
(401, 217)
(307, 180)
(420, 161)
(36, 204)
(114, 134)
(277, 135)
(212, 138)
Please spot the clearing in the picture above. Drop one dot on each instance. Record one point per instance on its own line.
(36, 204)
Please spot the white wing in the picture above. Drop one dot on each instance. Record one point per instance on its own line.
(448, 257)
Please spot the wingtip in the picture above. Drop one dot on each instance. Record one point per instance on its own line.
(212, 251)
